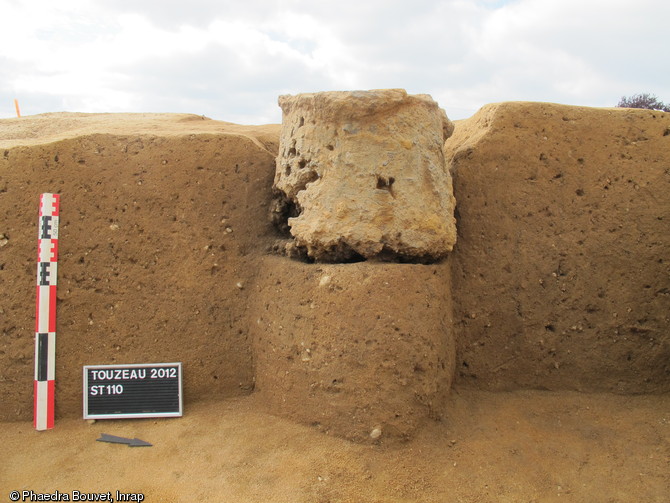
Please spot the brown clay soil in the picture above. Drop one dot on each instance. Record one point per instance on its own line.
(164, 228)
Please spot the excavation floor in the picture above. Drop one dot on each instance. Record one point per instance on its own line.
(529, 446)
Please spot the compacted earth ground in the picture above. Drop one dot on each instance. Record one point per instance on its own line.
(526, 446)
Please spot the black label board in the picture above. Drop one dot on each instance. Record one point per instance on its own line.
(138, 390)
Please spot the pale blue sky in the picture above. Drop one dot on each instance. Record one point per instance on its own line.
(229, 60)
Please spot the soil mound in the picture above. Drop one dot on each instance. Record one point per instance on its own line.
(560, 272)
(558, 281)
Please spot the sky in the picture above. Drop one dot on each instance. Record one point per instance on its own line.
(231, 59)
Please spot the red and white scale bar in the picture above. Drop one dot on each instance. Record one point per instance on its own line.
(45, 322)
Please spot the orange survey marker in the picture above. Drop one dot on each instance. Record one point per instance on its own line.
(16, 105)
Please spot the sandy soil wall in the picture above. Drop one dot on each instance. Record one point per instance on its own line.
(360, 350)
(561, 272)
(156, 233)
(559, 279)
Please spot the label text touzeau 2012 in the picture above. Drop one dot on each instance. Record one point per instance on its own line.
(141, 373)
